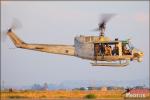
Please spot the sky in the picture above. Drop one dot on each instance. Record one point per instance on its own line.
(58, 22)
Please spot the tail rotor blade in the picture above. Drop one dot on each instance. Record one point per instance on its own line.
(16, 24)
(3, 35)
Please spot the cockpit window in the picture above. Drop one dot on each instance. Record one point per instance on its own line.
(130, 45)
(87, 39)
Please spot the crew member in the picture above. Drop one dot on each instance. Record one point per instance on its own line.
(115, 50)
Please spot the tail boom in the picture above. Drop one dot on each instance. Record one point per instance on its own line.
(49, 48)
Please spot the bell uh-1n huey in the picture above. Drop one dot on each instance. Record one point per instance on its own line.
(100, 49)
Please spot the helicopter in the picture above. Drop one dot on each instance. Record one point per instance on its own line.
(101, 50)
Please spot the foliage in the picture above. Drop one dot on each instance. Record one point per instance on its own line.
(91, 96)
(82, 88)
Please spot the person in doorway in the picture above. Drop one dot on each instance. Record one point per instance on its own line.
(115, 50)
(108, 50)
(102, 50)
(125, 51)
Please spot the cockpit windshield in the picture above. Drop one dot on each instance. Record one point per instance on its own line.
(130, 45)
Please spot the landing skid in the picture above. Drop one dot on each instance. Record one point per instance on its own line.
(111, 64)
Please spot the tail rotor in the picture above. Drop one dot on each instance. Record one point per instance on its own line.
(16, 24)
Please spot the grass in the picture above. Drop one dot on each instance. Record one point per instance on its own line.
(90, 94)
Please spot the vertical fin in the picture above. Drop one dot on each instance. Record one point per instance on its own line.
(16, 40)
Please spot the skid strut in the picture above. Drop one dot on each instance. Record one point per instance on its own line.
(120, 64)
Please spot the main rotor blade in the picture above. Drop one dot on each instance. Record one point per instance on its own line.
(96, 29)
(104, 18)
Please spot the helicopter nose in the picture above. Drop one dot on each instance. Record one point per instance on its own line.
(141, 54)
(138, 54)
